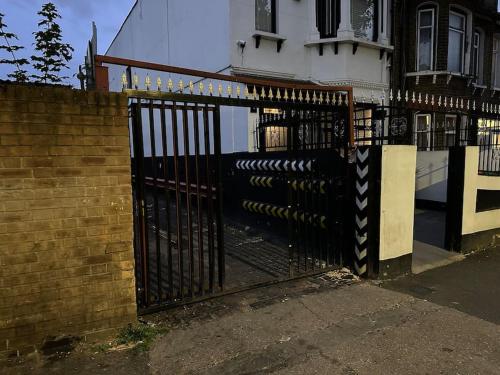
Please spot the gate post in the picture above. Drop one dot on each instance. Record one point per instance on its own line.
(384, 210)
(455, 197)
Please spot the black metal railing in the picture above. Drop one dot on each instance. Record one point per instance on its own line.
(432, 127)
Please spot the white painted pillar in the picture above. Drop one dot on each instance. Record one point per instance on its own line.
(345, 27)
(313, 29)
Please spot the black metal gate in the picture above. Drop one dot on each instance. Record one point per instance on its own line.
(206, 219)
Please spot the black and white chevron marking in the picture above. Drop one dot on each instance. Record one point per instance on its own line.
(361, 209)
(300, 165)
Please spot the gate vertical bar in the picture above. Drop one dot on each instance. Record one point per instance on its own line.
(188, 198)
(290, 192)
(167, 197)
(139, 155)
(156, 209)
(201, 263)
(218, 177)
(178, 202)
(210, 220)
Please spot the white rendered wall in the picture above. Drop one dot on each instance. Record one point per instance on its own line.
(191, 34)
(397, 201)
(365, 71)
(473, 221)
(432, 176)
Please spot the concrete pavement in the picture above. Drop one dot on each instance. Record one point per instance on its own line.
(444, 321)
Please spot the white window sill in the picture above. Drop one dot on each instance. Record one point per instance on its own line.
(351, 40)
(495, 88)
(478, 86)
(268, 36)
(258, 35)
(437, 73)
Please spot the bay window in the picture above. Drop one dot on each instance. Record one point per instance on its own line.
(265, 15)
(364, 15)
(425, 38)
(456, 42)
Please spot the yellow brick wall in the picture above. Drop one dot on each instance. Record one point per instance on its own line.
(66, 255)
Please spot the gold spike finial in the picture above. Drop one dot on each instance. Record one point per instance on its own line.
(201, 88)
(136, 81)
(238, 91)
(181, 86)
(211, 88)
(124, 80)
(170, 85)
(191, 87)
(158, 83)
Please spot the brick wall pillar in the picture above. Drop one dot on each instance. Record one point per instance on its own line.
(66, 253)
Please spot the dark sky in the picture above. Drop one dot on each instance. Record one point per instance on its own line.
(77, 17)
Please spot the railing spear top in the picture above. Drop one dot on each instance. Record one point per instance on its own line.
(124, 81)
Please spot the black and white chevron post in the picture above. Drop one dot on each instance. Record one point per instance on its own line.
(361, 210)
(276, 165)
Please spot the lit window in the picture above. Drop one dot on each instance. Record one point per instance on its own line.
(265, 15)
(450, 130)
(423, 130)
(456, 42)
(425, 39)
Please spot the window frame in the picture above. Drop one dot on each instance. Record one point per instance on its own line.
(274, 18)
(427, 132)
(495, 55)
(433, 27)
(333, 16)
(464, 36)
(450, 131)
(478, 56)
(376, 14)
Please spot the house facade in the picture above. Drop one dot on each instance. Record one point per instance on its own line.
(448, 54)
(328, 42)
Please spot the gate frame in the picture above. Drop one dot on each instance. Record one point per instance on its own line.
(217, 101)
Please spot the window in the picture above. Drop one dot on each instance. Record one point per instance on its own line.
(477, 56)
(327, 17)
(449, 130)
(265, 15)
(456, 42)
(425, 39)
(364, 19)
(422, 133)
(496, 62)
